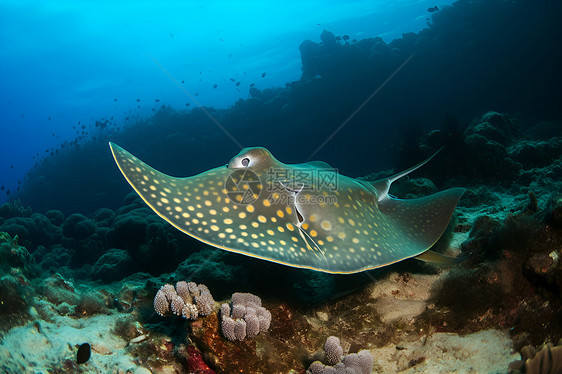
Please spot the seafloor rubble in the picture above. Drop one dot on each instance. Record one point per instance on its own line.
(69, 280)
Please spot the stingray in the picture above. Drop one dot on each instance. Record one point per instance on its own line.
(301, 215)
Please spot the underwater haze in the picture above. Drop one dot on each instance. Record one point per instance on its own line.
(310, 187)
(65, 64)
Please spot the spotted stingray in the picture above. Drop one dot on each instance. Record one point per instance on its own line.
(301, 215)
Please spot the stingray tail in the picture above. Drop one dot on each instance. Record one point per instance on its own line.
(438, 258)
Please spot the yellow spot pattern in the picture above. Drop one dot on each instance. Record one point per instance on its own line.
(345, 235)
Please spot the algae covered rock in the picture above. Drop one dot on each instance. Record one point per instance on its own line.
(17, 266)
(114, 265)
(32, 231)
(14, 209)
(77, 226)
(55, 216)
(15, 258)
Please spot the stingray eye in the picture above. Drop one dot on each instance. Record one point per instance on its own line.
(245, 161)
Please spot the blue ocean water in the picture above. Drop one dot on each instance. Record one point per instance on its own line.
(254, 264)
(65, 64)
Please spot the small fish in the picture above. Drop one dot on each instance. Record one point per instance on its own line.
(215, 85)
(115, 100)
(263, 75)
(432, 9)
(232, 80)
(84, 353)
(156, 100)
(237, 84)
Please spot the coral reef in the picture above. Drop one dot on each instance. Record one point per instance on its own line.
(353, 363)
(544, 360)
(15, 259)
(17, 270)
(510, 281)
(246, 318)
(188, 300)
(333, 350)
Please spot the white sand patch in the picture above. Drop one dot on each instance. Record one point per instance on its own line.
(41, 346)
(482, 352)
(400, 298)
(456, 240)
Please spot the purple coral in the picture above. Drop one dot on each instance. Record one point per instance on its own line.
(252, 326)
(333, 349)
(193, 289)
(264, 320)
(240, 329)
(246, 319)
(183, 291)
(161, 303)
(177, 305)
(179, 300)
(225, 310)
(189, 311)
(245, 298)
(238, 311)
(227, 327)
(169, 291)
(205, 301)
(353, 363)
(365, 361)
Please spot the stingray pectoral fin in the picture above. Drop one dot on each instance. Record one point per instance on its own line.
(438, 258)
(423, 219)
(203, 206)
